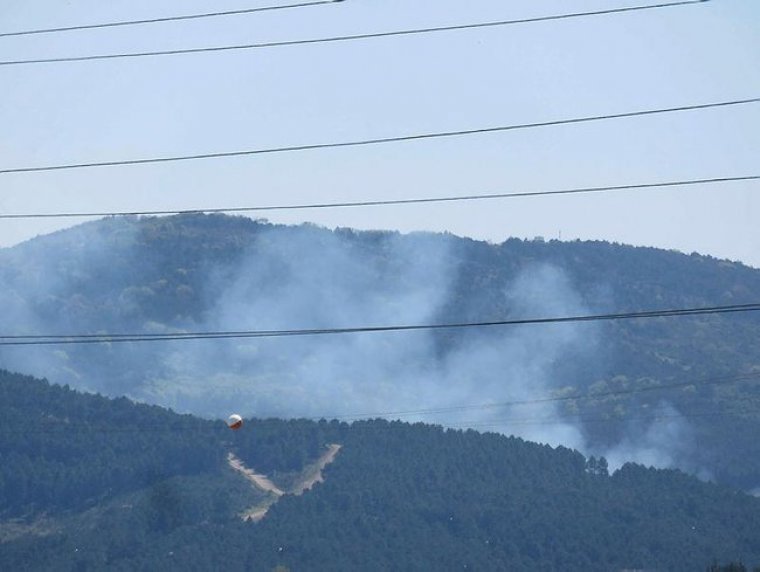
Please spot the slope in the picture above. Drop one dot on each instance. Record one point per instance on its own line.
(398, 496)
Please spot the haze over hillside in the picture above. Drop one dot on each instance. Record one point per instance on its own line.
(218, 273)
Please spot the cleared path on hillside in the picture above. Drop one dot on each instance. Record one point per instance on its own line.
(310, 475)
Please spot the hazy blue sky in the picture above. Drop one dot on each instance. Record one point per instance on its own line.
(123, 109)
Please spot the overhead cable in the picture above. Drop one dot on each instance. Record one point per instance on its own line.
(558, 420)
(59, 339)
(387, 202)
(49, 427)
(69, 427)
(354, 37)
(53, 427)
(167, 19)
(382, 140)
(588, 396)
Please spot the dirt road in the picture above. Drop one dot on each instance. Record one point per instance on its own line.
(313, 473)
(310, 475)
(259, 481)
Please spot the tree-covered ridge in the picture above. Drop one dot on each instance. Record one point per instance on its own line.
(60, 449)
(398, 496)
(63, 450)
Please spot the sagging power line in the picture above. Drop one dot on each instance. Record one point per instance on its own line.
(65, 339)
(383, 140)
(167, 19)
(68, 428)
(354, 37)
(389, 202)
(596, 395)
(559, 420)
(40, 427)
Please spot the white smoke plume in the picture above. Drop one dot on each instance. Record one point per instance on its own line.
(303, 278)
(47, 286)
(665, 442)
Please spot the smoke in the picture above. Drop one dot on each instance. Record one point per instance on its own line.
(53, 285)
(523, 363)
(308, 278)
(304, 278)
(665, 442)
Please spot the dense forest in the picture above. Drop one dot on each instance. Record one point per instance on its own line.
(89, 482)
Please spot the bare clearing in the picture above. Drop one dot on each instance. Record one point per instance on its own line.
(313, 473)
(310, 475)
(258, 480)
(18, 528)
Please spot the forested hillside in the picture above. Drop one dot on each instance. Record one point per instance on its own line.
(109, 484)
(215, 273)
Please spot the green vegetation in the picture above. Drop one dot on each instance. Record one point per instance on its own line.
(399, 496)
(90, 482)
(63, 450)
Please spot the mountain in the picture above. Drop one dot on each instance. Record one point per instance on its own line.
(671, 392)
(92, 483)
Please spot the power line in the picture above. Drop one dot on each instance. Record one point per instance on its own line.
(39, 427)
(66, 428)
(582, 419)
(354, 37)
(591, 396)
(578, 190)
(167, 19)
(662, 412)
(382, 140)
(56, 339)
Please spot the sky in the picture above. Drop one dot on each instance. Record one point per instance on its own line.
(322, 93)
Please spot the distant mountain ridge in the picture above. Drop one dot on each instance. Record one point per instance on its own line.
(215, 272)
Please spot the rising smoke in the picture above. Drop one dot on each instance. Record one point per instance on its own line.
(302, 278)
(665, 441)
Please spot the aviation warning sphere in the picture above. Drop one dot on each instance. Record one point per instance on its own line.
(235, 421)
